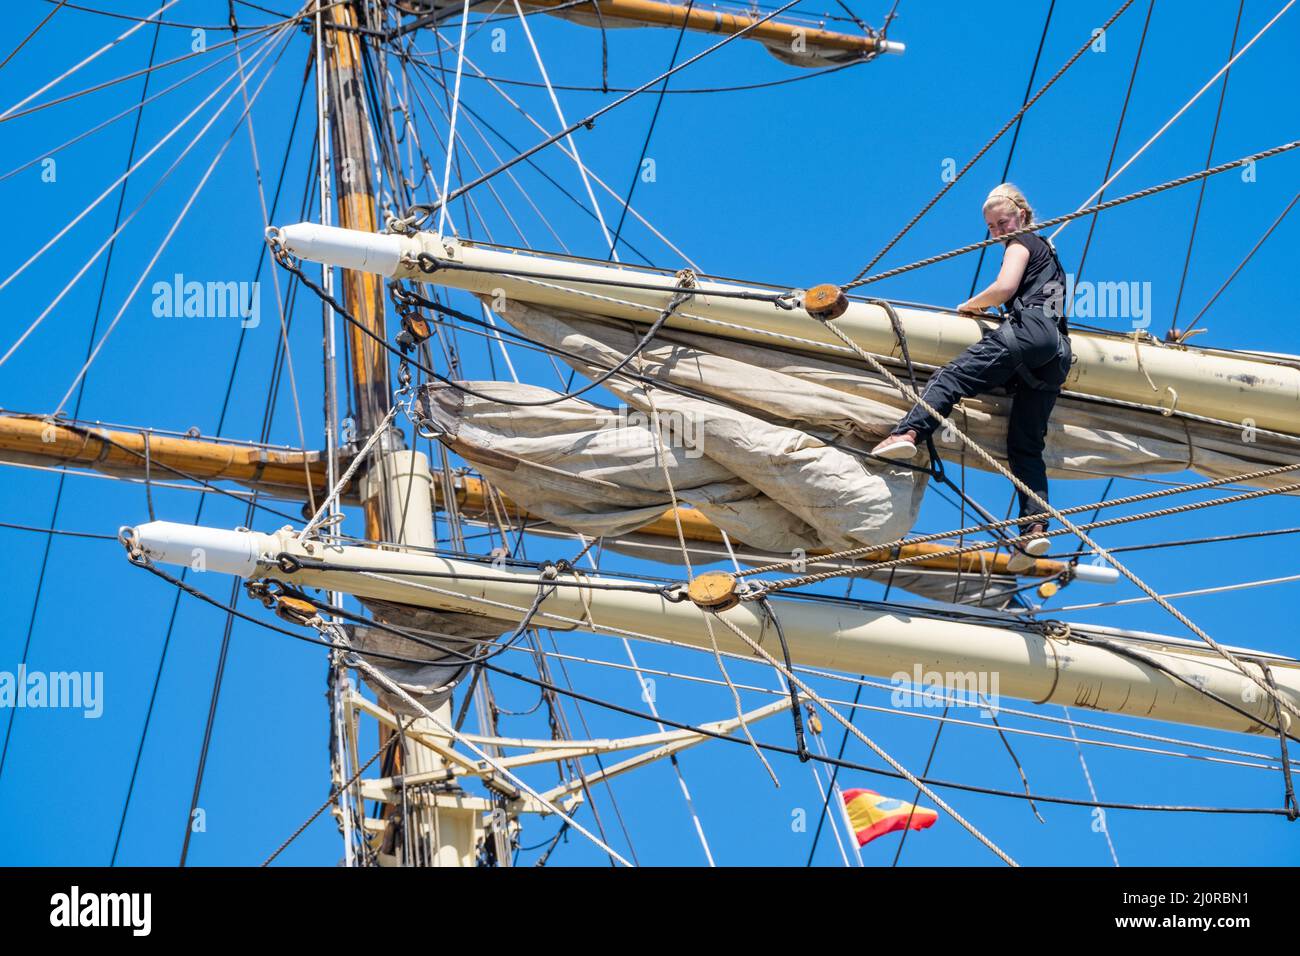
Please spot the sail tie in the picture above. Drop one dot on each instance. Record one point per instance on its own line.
(1289, 801)
(1138, 335)
(148, 475)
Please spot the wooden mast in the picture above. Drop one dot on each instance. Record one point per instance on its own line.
(451, 833)
(349, 160)
(363, 293)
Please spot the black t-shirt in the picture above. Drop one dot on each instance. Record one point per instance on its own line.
(1043, 278)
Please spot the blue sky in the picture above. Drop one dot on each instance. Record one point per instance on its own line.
(798, 183)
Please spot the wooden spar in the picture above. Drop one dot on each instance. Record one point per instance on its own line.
(775, 32)
(30, 440)
(1246, 390)
(122, 452)
(363, 292)
(1067, 666)
(785, 34)
(1241, 389)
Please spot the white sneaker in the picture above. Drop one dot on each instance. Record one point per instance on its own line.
(1024, 554)
(897, 447)
(1037, 546)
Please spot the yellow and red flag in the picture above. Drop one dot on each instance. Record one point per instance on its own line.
(873, 815)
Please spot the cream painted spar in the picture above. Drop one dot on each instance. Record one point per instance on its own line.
(858, 640)
(1231, 388)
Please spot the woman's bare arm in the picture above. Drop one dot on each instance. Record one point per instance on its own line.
(1014, 261)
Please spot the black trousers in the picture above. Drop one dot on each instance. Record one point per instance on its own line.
(989, 364)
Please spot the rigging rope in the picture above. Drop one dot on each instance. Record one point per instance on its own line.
(686, 561)
(1213, 539)
(557, 718)
(1119, 127)
(1220, 589)
(265, 49)
(290, 297)
(380, 430)
(1092, 789)
(333, 797)
(989, 145)
(884, 565)
(455, 109)
(844, 737)
(1015, 137)
(1209, 155)
(1122, 650)
(934, 746)
(12, 111)
(876, 748)
(71, 534)
(420, 211)
(547, 176)
(35, 30)
(1241, 265)
(58, 494)
(654, 119)
(166, 63)
(951, 699)
(559, 114)
(1289, 799)
(1186, 106)
(284, 359)
(1079, 213)
(1075, 509)
(690, 90)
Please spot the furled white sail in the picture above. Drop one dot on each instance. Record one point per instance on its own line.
(770, 444)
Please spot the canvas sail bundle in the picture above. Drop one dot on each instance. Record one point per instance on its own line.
(769, 444)
(598, 471)
(458, 637)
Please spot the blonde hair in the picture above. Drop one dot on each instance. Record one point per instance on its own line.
(1010, 194)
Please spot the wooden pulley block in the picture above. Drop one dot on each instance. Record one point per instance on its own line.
(713, 591)
(294, 610)
(814, 722)
(825, 302)
(418, 327)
